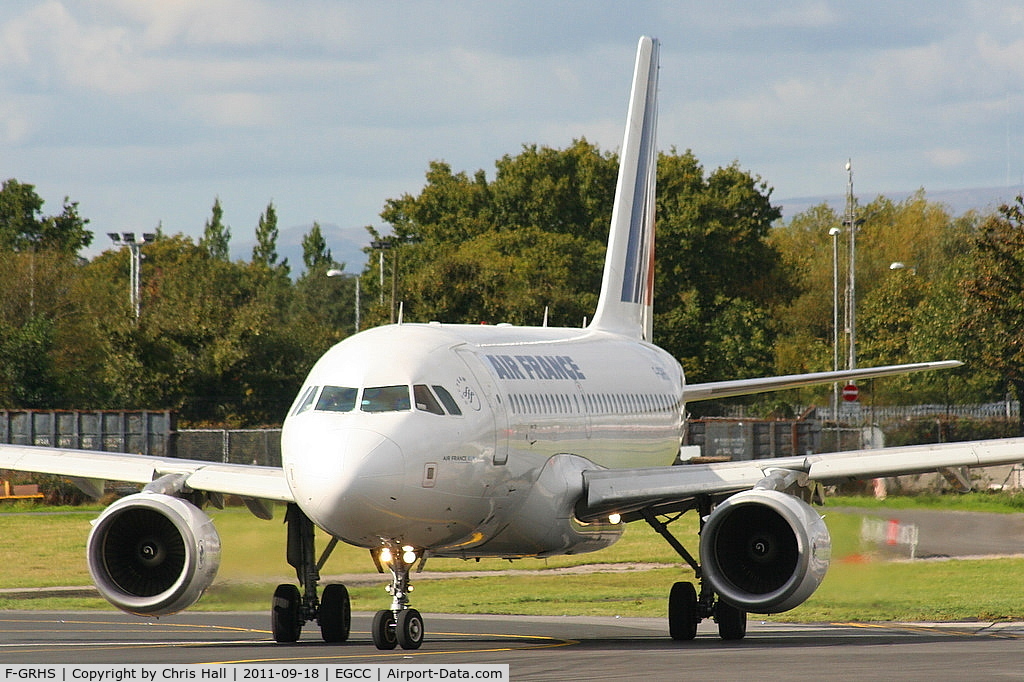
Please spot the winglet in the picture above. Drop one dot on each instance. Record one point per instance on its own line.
(627, 290)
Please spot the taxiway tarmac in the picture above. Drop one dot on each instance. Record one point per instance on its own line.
(537, 648)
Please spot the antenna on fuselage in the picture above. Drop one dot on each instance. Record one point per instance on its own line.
(545, 317)
(401, 311)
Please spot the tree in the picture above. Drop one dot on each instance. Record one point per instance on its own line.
(315, 254)
(504, 250)
(24, 228)
(535, 236)
(908, 313)
(216, 239)
(718, 276)
(27, 378)
(994, 289)
(65, 232)
(805, 246)
(264, 252)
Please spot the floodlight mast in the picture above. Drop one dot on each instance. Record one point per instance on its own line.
(135, 264)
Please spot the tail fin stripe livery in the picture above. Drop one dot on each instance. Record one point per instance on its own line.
(639, 254)
(627, 292)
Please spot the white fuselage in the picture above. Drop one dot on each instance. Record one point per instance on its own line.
(464, 440)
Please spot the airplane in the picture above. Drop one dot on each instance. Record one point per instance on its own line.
(417, 441)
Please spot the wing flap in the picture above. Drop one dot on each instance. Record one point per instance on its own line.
(245, 480)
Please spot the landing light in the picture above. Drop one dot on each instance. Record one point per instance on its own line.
(408, 555)
(385, 555)
(614, 519)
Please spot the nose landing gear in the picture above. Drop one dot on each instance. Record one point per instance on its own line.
(400, 625)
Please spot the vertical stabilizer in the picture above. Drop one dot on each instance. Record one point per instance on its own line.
(627, 290)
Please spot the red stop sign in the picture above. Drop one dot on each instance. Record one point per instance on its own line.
(850, 393)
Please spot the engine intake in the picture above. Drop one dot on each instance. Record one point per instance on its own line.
(152, 554)
(764, 551)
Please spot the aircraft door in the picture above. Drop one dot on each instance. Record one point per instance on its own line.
(581, 401)
(479, 376)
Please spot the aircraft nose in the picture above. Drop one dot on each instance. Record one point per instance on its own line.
(350, 473)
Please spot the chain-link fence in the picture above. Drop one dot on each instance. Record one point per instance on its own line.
(235, 446)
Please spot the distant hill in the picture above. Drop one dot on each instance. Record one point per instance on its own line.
(959, 201)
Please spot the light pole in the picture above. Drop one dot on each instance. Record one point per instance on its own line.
(135, 264)
(851, 221)
(340, 273)
(834, 233)
(384, 243)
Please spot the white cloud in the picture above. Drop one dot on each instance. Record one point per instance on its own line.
(281, 100)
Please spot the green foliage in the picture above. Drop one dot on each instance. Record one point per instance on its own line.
(216, 239)
(534, 239)
(912, 312)
(24, 228)
(315, 254)
(264, 252)
(26, 368)
(718, 276)
(735, 296)
(994, 289)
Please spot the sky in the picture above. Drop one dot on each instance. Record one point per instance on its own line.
(145, 111)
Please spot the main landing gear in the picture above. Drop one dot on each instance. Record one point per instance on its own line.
(400, 625)
(291, 609)
(685, 608)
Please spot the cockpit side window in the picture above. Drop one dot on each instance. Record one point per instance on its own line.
(425, 400)
(447, 400)
(306, 401)
(337, 399)
(385, 399)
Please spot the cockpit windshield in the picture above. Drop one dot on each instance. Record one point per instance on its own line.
(337, 399)
(433, 399)
(385, 399)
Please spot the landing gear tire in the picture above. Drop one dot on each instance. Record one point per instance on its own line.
(335, 613)
(409, 629)
(732, 623)
(383, 630)
(682, 612)
(284, 614)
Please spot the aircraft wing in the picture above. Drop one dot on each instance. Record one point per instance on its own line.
(244, 480)
(626, 491)
(727, 389)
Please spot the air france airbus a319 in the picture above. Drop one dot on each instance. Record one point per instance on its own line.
(434, 440)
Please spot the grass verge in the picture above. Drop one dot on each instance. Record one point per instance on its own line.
(49, 550)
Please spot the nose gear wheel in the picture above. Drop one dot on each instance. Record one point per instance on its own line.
(400, 625)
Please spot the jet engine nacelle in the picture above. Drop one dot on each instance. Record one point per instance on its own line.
(153, 554)
(764, 551)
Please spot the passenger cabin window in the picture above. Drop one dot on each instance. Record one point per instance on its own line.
(425, 400)
(447, 400)
(385, 399)
(337, 399)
